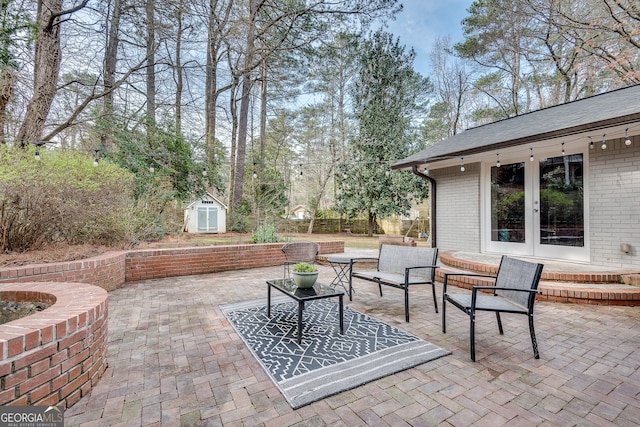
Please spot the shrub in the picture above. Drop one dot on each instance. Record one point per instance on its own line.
(265, 234)
(61, 198)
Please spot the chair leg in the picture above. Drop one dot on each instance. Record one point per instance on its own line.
(499, 323)
(533, 338)
(435, 301)
(380, 288)
(444, 319)
(472, 332)
(406, 303)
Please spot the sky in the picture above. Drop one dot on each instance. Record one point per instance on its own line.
(422, 21)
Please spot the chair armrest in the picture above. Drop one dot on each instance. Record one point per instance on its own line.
(446, 278)
(354, 260)
(407, 270)
(502, 288)
(422, 266)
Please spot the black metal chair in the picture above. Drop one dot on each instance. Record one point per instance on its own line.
(516, 286)
(401, 267)
(295, 252)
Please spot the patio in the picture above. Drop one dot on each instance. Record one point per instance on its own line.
(174, 360)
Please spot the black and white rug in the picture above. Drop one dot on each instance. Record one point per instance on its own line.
(325, 363)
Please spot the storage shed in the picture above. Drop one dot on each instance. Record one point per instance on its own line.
(206, 215)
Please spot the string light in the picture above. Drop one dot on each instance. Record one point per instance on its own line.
(627, 140)
(38, 145)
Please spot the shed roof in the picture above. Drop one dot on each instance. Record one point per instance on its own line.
(210, 197)
(615, 108)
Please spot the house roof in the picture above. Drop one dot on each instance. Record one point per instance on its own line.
(615, 108)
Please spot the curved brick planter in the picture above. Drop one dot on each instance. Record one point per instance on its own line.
(57, 355)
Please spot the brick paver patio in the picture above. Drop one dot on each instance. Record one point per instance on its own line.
(174, 360)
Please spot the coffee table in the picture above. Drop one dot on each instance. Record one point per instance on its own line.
(302, 295)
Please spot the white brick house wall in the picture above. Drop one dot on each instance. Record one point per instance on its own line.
(614, 211)
(458, 208)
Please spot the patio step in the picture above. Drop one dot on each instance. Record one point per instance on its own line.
(561, 282)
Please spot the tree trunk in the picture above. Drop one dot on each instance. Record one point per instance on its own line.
(263, 108)
(151, 62)
(110, 61)
(243, 123)
(211, 83)
(7, 83)
(179, 70)
(45, 72)
(371, 223)
(234, 131)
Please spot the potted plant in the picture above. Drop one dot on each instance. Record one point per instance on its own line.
(304, 274)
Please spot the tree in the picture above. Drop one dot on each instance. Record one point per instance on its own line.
(607, 29)
(16, 28)
(298, 24)
(46, 68)
(495, 40)
(452, 84)
(389, 96)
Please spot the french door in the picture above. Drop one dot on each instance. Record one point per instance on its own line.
(537, 207)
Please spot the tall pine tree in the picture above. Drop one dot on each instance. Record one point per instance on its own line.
(389, 97)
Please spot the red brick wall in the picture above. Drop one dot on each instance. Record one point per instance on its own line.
(57, 355)
(111, 270)
(158, 263)
(106, 271)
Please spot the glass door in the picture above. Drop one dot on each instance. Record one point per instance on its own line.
(508, 207)
(537, 207)
(560, 224)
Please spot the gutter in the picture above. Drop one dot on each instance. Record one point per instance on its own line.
(432, 196)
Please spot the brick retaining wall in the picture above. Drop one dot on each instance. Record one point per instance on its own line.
(158, 263)
(53, 357)
(106, 271)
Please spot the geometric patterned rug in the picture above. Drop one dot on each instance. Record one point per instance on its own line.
(325, 363)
